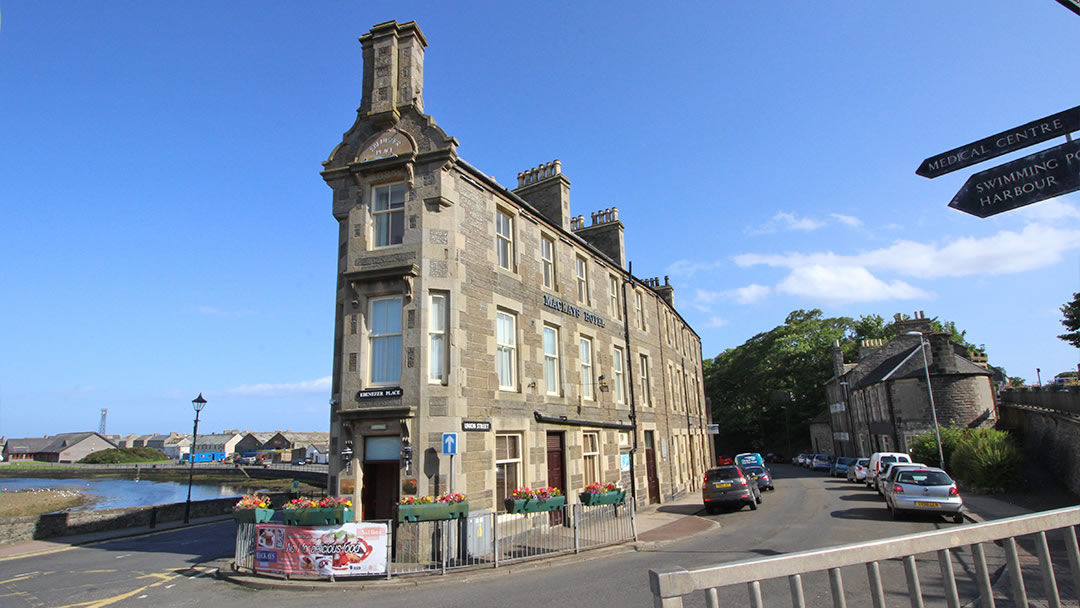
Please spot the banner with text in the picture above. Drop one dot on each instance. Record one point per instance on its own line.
(352, 549)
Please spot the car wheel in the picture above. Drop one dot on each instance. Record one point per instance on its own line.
(958, 518)
(753, 505)
(758, 499)
(711, 510)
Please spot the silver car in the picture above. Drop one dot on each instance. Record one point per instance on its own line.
(888, 472)
(924, 490)
(857, 471)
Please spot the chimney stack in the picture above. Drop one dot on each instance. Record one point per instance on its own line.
(547, 189)
(393, 71)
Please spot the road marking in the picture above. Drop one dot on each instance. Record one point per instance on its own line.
(113, 539)
(142, 597)
(100, 571)
(23, 577)
(170, 586)
(123, 556)
(27, 573)
(108, 601)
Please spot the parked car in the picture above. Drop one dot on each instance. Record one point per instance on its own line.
(802, 460)
(888, 474)
(926, 490)
(876, 460)
(724, 459)
(821, 462)
(857, 472)
(840, 467)
(300, 461)
(729, 485)
(245, 460)
(762, 476)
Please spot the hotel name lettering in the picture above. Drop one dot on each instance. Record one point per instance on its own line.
(557, 304)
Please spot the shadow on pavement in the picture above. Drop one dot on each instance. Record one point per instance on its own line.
(863, 498)
(866, 513)
(682, 509)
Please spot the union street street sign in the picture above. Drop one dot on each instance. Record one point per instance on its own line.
(1037, 177)
(1023, 136)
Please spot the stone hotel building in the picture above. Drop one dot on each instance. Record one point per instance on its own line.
(485, 338)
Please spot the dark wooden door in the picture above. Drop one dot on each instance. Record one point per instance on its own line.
(650, 469)
(556, 472)
(380, 491)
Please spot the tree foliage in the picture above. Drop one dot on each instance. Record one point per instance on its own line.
(1071, 312)
(124, 456)
(776, 379)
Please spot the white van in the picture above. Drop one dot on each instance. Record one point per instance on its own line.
(877, 460)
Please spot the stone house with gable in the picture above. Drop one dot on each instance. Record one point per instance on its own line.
(464, 306)
(880, 402)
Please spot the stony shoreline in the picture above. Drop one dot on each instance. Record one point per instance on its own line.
(20, 503)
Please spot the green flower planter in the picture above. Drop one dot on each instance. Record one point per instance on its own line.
(433, 512)
(534, 505)
(252, 516)
(331, 516)
(602, 498)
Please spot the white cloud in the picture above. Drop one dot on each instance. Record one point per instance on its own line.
(787, 221)
(751, 293)
(1007, 252)
(321, 385)
(845, 284)
(1053, 210)
(847, 220)
(715, 322)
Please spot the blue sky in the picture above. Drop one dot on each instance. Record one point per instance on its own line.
(166, 231)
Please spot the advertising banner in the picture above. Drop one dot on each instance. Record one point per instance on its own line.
(352, 549)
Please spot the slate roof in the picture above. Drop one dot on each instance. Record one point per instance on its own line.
(908, 363)
(53, 444)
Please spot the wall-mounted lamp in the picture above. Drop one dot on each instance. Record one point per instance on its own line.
(346, 457)
(532, 384)
(603, 383)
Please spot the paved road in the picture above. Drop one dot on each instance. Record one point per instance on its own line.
(807, 510)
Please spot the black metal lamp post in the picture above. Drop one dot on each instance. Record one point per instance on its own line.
(198, 403)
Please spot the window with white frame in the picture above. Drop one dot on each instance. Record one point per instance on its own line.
(506, 347)
(582, 280)
(639, 308)
(438, 315)
(547, 259)
(617, 360)
(507, 464)
(504, 239)
(613, 295)
(646, 394)
(388, 214)
(586, 369)
(591, 457)
(384, 339)
(551, 360)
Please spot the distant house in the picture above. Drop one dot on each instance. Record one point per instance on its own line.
(318, 453)
(177, 447)
(63, 447)
(252, 443)
(215, 446)
(289, 445)
(821, 434)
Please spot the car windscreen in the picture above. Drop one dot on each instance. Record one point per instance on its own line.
(863, 461)
(722, 473)
(885, 459)
(925, 478)
(845, 460)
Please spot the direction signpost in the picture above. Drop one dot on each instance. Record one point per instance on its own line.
(1033, 178)
(1034, 132)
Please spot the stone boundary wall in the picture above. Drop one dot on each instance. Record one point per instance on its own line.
(1052, 438)
(71, 523)
(1065, 399)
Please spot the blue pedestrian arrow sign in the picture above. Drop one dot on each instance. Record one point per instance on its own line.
(449, 443)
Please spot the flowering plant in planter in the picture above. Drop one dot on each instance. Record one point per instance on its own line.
(333, 502)
(303, 502)
(452, 497)
(601, 494)
(597, 488)
(535, 493)
(429, 500)
(432, 508)
(253, 501)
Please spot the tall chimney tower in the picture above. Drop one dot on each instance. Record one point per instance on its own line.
(393, 71)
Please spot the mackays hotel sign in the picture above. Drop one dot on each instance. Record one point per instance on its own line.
(573, 311)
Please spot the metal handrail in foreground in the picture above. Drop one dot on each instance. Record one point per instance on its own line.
(670, 586)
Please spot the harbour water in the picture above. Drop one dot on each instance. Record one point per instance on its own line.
(109, 493)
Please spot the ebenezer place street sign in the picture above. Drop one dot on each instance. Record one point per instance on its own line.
(1020, 137)
(1024, 181)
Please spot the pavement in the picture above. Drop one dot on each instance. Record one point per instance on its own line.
(657, 525)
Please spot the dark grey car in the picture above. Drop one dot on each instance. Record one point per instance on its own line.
(729, 485)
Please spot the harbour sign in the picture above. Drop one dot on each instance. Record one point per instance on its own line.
(1033, 178)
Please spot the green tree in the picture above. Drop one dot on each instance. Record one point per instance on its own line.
(1071, 311)
(1015, 382)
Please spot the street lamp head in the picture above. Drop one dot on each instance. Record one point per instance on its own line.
(198, 403)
